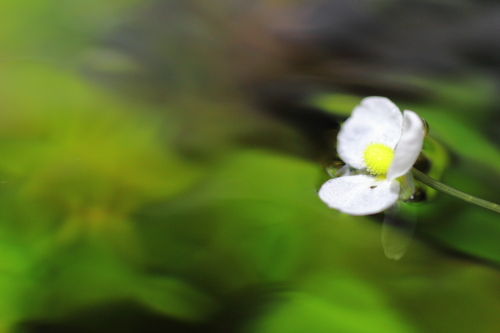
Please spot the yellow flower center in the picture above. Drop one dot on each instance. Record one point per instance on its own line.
(378, 158)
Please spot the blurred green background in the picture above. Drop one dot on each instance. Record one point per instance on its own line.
(159, 162)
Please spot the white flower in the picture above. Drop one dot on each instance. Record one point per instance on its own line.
(382, 144)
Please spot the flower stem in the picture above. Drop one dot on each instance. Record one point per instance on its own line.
(420, 176)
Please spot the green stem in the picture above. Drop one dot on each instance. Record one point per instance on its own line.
(420, 176)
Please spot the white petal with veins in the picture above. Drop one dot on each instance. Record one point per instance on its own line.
(359, 194)
(375, 120)
(409, 145)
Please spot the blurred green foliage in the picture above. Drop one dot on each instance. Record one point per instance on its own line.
(99, 207)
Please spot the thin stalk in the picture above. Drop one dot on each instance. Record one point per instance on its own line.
(420, 176)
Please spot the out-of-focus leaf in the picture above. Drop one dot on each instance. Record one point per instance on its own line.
(241, 226)
(463, 140)
(464, 226)
(62, 135)
(175, 298)
(338, 305)
(339, 104)
(76, 163)
(471, 95)
(16, 283)
(55, 31)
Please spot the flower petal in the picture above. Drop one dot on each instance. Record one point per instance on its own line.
(375, 120)
(409, 145)
(359, 195)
